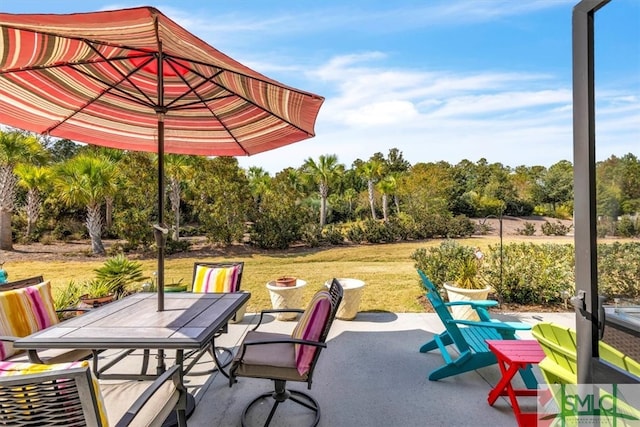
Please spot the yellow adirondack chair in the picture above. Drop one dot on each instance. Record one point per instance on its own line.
(560, 364)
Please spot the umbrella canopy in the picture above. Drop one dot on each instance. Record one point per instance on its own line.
(133, 79)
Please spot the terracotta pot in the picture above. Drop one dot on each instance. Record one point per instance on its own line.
(88, 302)
(286, 281)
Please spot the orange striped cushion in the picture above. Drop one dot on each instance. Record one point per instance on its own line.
(25, 311)
(216, 279)
(310, 327)
(8, 369)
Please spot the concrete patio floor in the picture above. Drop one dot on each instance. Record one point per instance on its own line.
(371, 374)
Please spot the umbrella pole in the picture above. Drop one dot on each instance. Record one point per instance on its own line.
(160, 231)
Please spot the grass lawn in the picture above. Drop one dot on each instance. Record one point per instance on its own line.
(392, 283)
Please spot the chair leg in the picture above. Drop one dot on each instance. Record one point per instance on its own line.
(218, 360)
(444, 339)
(281, 395)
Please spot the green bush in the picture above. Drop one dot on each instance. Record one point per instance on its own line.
(626, 227)
(483, 228)
(557, 229)
(450, 262)
(529, 229)
(177, 246)
(355, 233)
(459, 226)
(311, 234)
(619, 270)
(528, 273)
(332, 234)
(377, 231)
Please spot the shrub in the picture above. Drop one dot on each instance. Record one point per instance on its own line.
(377, 231)
(527, 273)
(483, 228)
(332, 235)
(557, 229)
(626, 227)
(355, 233)
(619, 270)
(450, 262)
(177, 246)
(459, 226)
(311, 234)
(529, 229)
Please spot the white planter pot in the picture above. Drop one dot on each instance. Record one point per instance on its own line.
(286, 297)
(237, 318)
(348, 308)
(460, 294)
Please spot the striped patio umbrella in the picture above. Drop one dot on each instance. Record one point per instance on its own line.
(133, 79)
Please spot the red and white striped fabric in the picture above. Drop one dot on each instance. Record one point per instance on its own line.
(93, 77)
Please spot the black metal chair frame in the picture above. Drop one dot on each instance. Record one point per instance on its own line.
(217, 352)
(281, 393)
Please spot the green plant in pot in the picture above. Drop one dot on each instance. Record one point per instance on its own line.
(458, 270)
(95, 292)
(120, 274)
(66, 299)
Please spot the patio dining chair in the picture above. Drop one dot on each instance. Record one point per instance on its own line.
(208, 277)
(26, 307)
(69, 395)
(468, 337)
(281, 357)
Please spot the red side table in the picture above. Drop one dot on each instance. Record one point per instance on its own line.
(513, 355)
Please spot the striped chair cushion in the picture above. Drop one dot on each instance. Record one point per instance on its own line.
(25, 311)
(310, 327)
(25, 368)
(216, 279)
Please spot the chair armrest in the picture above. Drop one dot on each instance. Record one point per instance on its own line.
(474, 304)
(250, 342)
(8, 338)
(285, 341)
(173, 374)
(276, 310)
(499, 326)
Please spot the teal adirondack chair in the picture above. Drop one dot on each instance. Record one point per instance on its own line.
(469, 337)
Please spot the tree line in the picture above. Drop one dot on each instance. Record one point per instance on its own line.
(53, 189)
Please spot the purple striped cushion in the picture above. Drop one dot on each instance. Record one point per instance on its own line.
(310, 327)
(25, 311)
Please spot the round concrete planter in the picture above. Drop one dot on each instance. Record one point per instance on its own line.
(237, 318)
(464, 312)
(286, 297)
(350, 304)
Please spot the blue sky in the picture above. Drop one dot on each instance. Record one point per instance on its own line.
(438, 79)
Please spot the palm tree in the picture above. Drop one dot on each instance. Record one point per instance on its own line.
(15, 147)
(34, 179)
(177, 170)
(322, 174)
(386, 186)
(259, 183)
(87, 180)
(371, 171)
(115, 156)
